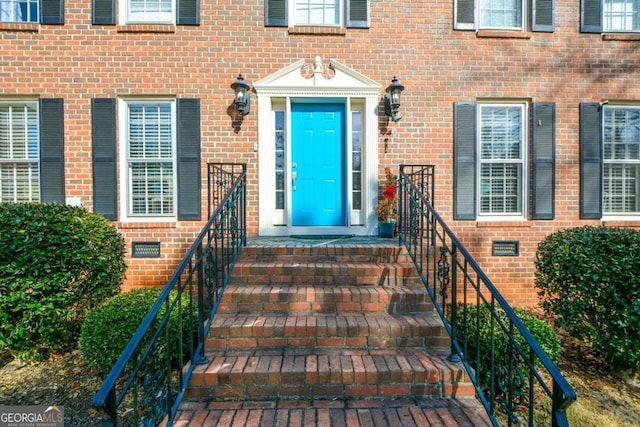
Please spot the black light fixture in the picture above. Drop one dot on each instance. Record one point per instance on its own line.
(242, 100)
(392, 99)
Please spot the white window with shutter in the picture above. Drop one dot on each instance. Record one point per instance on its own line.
(502, 160)
(149, 158)
(19, 152)
(621, 160)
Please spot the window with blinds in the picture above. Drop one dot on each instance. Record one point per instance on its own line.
(621, 160)
(501, 146)
(19, 152)
(151, 159)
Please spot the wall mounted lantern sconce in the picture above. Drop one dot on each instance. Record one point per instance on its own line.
(242, 101)
(392, 99)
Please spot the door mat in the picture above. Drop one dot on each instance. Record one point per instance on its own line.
(322, 236)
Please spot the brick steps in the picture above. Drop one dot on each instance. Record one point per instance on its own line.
(368, 330)
(313, 298)
(318, 373)
(323, 322)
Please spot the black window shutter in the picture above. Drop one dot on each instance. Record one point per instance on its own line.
(357, 13)
(188, 12)
(543, 15)
(590, 161)
(544, 158)
(465, 15)
(103, 149)
(103, 12)
(52, 151)
(464, 167)
(591, 16)
(189, 159)
(275, 13)
(52, 11)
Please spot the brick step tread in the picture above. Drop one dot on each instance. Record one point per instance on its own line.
(384, 252)
(369, 330)
(261, 298)
(334, 413)
(327, 373)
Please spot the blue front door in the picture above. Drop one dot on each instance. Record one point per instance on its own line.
(317, 164)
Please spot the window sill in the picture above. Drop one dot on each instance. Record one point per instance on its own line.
(29, 27)
(150, 224)
(621, 36)
(621, 223)
(146, 28)
(502, 224)
(502, 34)
(318, 31)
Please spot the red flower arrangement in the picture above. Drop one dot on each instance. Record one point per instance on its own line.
(387, 208)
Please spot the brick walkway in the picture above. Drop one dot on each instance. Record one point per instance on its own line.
(374, 413)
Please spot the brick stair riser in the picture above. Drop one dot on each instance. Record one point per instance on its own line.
(328, 376)
(320, 299)
(325, 331)
(323, 274)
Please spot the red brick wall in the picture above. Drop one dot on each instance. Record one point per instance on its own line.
(412, 40)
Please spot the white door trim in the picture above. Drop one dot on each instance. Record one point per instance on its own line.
(298, 81)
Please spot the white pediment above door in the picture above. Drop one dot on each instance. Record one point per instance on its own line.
(317, 77)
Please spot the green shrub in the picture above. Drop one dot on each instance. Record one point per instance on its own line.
(56, 263)
(108, 329)
(478, 330)
(589, 280)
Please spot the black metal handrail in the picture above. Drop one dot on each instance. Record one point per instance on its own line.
(147, 383)
(514, 378)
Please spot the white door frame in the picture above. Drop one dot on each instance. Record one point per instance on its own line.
(297, 82)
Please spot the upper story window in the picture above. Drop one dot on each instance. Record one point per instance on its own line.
(19, 152)
(291, 13)
(179, 12)
(19, 11)
(598, 16)
(510, 15)
(609, 160)
(317, 12)
(501, 14)
(150, 11)
(622, 15)
(493, 176)
(36, 11)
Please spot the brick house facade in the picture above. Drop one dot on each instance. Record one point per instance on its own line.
(530, 114)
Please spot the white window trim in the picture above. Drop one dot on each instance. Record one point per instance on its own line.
(123, 141)
(524, 178)
(35, 104)
(124, 16)
(614, 30)
(292, 15)
(617, 216)
(523, 18)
